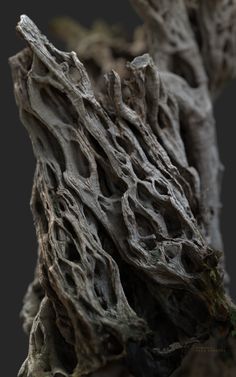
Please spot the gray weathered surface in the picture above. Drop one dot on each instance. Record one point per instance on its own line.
(125, 202)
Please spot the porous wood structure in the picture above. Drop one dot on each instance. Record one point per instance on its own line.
(126, 196)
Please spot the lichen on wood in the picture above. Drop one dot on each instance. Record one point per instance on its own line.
(126, 199)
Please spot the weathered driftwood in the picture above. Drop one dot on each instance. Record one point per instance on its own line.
(126, 198)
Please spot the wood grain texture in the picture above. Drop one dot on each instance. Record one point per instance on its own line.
(126, 199)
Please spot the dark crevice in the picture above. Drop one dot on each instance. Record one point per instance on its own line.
(125, 144)
(68, 358)
(103, 285)
(70, 228)
(72, 252)
(98, 149)
(110, 184)
(139, 171)
(187, 140)
(80, 161)
(40, 212)
(104, 180)
(173, 225)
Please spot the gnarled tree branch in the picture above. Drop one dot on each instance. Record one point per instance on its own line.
(125, 202)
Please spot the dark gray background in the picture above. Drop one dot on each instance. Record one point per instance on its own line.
(18, 243)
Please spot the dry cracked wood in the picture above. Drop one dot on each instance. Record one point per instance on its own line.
(125, 201)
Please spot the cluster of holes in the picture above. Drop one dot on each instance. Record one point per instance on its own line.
(102, 284)
(167, 215)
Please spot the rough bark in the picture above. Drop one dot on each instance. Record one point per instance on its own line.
(126, 197)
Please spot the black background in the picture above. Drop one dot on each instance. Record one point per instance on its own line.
(18, 243)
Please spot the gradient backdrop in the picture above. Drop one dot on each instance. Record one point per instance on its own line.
(18, 243)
